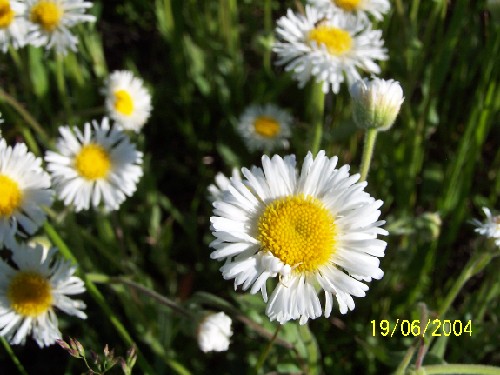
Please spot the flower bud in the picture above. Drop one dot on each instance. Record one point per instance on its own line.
(214, 332)
(376, 103)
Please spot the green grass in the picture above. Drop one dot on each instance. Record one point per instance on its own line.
(204, 62)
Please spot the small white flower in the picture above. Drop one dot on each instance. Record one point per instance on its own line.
(360, 8)
(490, 228)
(216, 191)
(13, 26)
(127, 101)
(376, 103)
(51, 20)
(264, 127)
(24, 192)
(214, 333)
(98, 165)
(313, 230)
(29, 293)
(327, 47)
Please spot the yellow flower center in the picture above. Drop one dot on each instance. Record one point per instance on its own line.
(93, 162)
(348, 5)
(123, 102)
(47, 14)
(299, 231)
(336, 41)
(29, 294)
(266, 126)
(10, 196)
(6, 14)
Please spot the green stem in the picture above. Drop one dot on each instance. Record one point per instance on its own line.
(316, 114)
(265, 352)
(25, 115)
(475, 265)
(267, 34)
(460, 369)
(13, 357)
(406, 360)
(369, 147)
(98, 297)
(151, 293)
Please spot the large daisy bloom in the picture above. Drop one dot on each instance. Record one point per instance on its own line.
(490, 228)
(214, 333)
(24, 192)
(13, 26)
(94, 166)
(127, 100)
(376, 8)
(329, 48)
(314, 230)
(264, 127)
(29, 292)
(51, 21)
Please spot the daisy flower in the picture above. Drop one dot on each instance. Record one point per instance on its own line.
(51, 20)
(98, 165)
(490, 228)
(127, 101)
(376, 8)
(313, 230)
(13, 26)
(31, 290)
(214, 333)
(330, 48)
(24, 192)
(216, 191)
(264, 127)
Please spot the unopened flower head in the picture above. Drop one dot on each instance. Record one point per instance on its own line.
(51, 20)
(490, 228)
(327, 47)
(214, 333)
(127, 100)
(264, 127)
(13, 26)
(24, 192)
(216, 191)
(97, 166)
(376, 103)
(312, 230)
(359, 8)
(29, 292)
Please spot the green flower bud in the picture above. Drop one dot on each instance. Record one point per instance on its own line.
(376, 103)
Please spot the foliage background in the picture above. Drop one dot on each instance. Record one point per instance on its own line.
(204, 62)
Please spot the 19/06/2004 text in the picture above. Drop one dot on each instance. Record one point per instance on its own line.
(435, 327)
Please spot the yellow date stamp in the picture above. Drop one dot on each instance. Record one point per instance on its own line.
(434, 327)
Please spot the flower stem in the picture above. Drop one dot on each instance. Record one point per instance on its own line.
(370, 139)
(475, 265)
(13, 357)
(267, 33)
(316, 114)
(265, 352)
(25, 115)
(459, 369)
